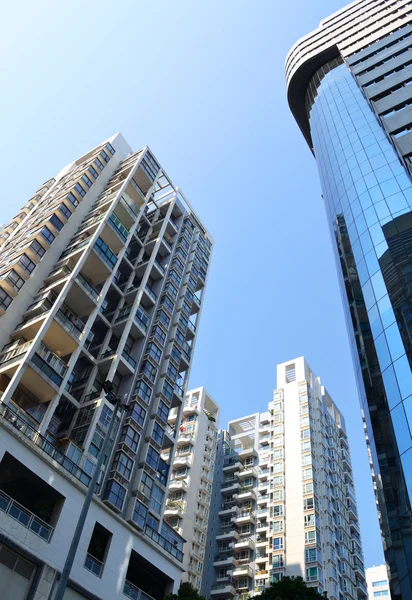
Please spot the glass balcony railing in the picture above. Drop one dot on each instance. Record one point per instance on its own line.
(118, 226)
(141, 319)
(92, 292)
(93, 565)
(105, 253)
(12, 416)
(131, 209)
(151, 293)
(159, 266)
(129, 359)
(71, 323)
(25, 517)
(135, 593)
(164, 543)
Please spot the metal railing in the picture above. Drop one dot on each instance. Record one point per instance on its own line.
(25, 517)
(88, 287)
(93, 565)
(13, 417)
(135, 593)
(164, 543)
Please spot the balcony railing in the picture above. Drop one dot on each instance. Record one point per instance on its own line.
(118, 227)
(11, 416)
(135, 593)
(129, 359)
(151, 293)
(105, 253)
(72, 324)
(159, 266)
(164, 543)
(25, 517)
(88, 287)
(92, 564)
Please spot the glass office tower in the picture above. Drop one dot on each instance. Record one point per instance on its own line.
(349, 90)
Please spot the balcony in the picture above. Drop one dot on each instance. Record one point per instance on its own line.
(246, 516)
(228, 508)
(224, 559)
(175, 508)
(176, 485)
(164, 543)
(227, 534)
(247, 472)
(93, 565)
(186, 438)
(221, 589)
(230, 486)
(135, 593)
(190, 408)
(12, 417)
(232, 464)
(244, 543)
(149, 297)
(242, 571)
(246, 493)
(25, 517)
(182, 461)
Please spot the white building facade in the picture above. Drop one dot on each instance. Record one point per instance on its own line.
(378, 584)
(190, 487)
(102, 275)
(288, 504)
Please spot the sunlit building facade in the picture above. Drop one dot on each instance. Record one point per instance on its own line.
(190, 487)
(349, 90)
(102, 276)
(287, 503)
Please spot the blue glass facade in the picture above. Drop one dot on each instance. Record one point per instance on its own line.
(368, 197)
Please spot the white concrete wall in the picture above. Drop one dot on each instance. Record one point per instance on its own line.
(124, 538)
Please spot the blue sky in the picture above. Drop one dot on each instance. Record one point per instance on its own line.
(202, 84)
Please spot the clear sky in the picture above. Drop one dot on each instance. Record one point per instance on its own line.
(202, 84)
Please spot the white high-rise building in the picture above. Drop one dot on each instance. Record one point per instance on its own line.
(378, 584)
(102, 275)
(190, 487)
(288, 504)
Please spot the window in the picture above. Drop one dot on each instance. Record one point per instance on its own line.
(305, 446)
(278, 510)
(105, 156)
(146, 484)
(26, 264)
(307, 474)
(277, 526)
(278, 453)
(278, 543)
(55, 221)
(180, 338)
(115, 494)
(308, 504)
(14, 279)
(308, 488)
(290, 373)
(305, 434)
(72, 199)
(277, 495)
(93, 172)
(80, 190)
(310, 537)
(130, 437)
(311, 555)
(278, 467)
(167, 390)
(168, 304)
(158, 433)
(65, 211)
(378, 583)
(156, 499)
(172, 372)
(110, 148)
(312, 574)
(149, 370)
(172, 290)
(278, 480)
(37, 248)
(277, 561)
(159, 334)
(97, 549)
(123, 464)
(138, 414)
(175, 354)
(152, 457)
(163, 411)
(105, 416)
(96, 443)
(99, 164)
(154, 351)
(309, 520)
(139, 514)
(143, 391)
(304, 421)
(164, 319)
(306, 459)
(48, 235)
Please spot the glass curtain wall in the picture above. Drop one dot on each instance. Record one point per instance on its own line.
(368, 198)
